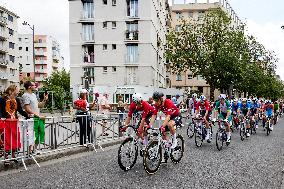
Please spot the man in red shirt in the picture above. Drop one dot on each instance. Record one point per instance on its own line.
(147, 110)
(203, 108)
(172, 114)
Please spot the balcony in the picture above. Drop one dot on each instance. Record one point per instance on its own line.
(131, 59)
(88, 39)
(4, 76)
(87, 16)
(131, 36)
(3, 21)
(3, 36)
(89, 58)
(40, 53)
(40, 62)
(37, 44)
(3, 62)
(40, 70)
(3, 48)
(40, 77)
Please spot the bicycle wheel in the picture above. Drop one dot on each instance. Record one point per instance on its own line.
(177, 153)
(268, 128)
(219, 140)
(152, 157)
(190, 130)
(127, 154)
(242, 132)
(198, 133)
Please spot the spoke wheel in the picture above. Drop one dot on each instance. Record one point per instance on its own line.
(152, 157)
(127, 154)
(177, 153)
(190, 130)
(242, 132)
(198, 133)
(219, 140)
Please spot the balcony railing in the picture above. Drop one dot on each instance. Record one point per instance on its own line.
(3, 48)
(4, 76)
(37, 44)
(89, 58)
(40, 62)
(131, 59)
(3, 62)
(3, 20)
(88, 38)
(39, 53)
(131, 35)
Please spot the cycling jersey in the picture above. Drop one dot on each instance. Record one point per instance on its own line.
(244, 108)
(276, 107)
(269, 109)
(235, 107)
(168, 108)
(145, 107)
(224, 108)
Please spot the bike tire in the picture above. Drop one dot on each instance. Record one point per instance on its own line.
(267, 128)
(242, 132)
(180, 148)
(198, 138)
(190, 131)
(146, 157)
(120, 162)
(219, 141)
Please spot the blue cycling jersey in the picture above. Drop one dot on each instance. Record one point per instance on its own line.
(235, 107)
(254, 105)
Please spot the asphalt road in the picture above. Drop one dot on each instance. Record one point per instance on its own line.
(254, 163)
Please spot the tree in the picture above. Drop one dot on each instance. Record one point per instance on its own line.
(59, 84)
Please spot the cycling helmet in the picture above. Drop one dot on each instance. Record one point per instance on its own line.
(244, 99)
(194, 95)
(235, 100)
(137, 98)
(249, 100)
(222, 96)
(202, 97)
(157, 95)
(177, 95)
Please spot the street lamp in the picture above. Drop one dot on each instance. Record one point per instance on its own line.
(282, 27)
(33, 29)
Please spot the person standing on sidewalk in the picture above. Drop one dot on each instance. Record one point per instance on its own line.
(104, 108)
(32, 107)
(83, 116)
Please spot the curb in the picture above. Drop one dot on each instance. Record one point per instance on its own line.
(57, 154)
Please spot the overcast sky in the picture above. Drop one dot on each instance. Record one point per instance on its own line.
(50, 17)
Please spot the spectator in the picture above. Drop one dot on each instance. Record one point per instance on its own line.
(176, 101)
(83, 110)
(104, 108)
(32, 107)
(120, 109)
(9, 107)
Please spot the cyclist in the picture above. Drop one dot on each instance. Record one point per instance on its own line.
(276, 110)
(235, 108)
(254, 106)
(268, 113)
(281, 106)
(172, 114)
(192, 105)
(204, 109)
(176, 101)
(223, 108)
(148, 117)
(244, 111)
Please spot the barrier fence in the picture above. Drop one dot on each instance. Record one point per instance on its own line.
(24, 139)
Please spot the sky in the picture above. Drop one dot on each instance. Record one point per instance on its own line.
(263, 18)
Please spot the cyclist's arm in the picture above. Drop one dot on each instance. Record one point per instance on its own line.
(167, 119)
(127, 121)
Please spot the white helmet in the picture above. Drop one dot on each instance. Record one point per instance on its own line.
(83, 91)
(137, 98)
(203, 97)
(194, 95)
(249, 100)
(222, 96)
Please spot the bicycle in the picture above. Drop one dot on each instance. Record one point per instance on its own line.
(152, 158)
(190, 129)
(200, 131)
(243, 129)
(268, 126)
(221, 135)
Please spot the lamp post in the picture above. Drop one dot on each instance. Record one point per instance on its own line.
(282, 27)
(33, 29)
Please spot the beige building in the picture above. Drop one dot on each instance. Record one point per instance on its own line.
(9, 67)
(47, 57)
(195, 10)
(118, 43)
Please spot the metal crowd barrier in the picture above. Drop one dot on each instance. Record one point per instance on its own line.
(24, 139)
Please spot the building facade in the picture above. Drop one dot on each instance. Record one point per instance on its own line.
(195, 10)
(47, 57)
(9, 67)
(117, 43)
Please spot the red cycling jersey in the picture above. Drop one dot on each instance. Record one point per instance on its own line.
(168, 108)
(145, 107)
(205, 106)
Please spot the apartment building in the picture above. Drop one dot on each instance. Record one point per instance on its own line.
(8, 48)
(47, 57)
(118, 43)
(195, 9)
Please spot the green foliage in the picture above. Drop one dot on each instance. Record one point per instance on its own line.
(223, 55)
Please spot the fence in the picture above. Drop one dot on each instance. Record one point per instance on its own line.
(25, 139)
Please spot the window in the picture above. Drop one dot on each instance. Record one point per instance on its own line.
(178, 77)
(12, 58)
(88, 10)
(114, 69)
(27, 58)
(113, 24)
(113, 46)
(11, 32)
(28, 74)
(104, 47)
(178, 15)
(27, 48)
(201, 15)
(190, 14)
(105, 2)
(177, 28)
(104, 69)
(10, 18)
(113, 2)
(199, 77)
(132, 8)
(105, 25)
(39, 40)
(132, 53)
(88, 32)
(11, 45)
(189, 76)
(20, 39)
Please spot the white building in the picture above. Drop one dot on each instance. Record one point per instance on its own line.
(118, 43)
(25, 47)
(8, 49)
